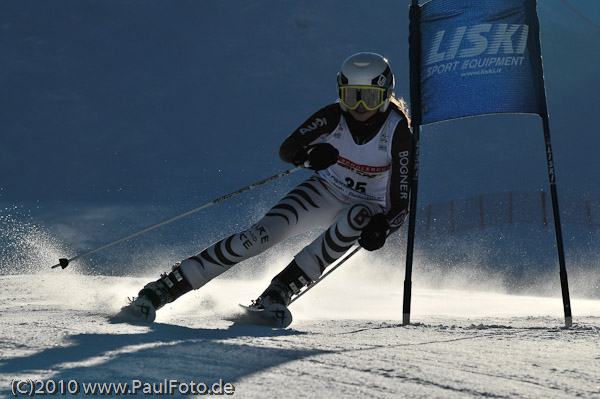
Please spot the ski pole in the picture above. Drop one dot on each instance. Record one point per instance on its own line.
(64, 262)
(326, 274)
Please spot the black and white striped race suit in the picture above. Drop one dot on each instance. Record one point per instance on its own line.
(372, 175)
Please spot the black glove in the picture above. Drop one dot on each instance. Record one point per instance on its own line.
(374, 234)
(319, 156)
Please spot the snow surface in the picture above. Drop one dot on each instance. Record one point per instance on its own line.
(347, 341)
(470, 336)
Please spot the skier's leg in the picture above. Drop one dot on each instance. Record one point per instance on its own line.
(310, 263)
(194, 272)
(336, 240)
(309, 205)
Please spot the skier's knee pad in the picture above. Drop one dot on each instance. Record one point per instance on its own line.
(358, 217)
(347, 229)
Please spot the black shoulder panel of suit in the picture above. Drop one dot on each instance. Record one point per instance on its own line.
(322, 122)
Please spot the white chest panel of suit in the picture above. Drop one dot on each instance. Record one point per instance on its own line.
(362, 171)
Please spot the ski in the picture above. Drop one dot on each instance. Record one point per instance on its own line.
(274, 315)
(138, 311)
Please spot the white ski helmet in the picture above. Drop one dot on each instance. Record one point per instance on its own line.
(361, 72)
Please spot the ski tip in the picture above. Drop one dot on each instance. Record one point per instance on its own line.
(138, 311)
(274, 315)
(280, 315)
(125, 316)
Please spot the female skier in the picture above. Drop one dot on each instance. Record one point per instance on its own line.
(360, 148)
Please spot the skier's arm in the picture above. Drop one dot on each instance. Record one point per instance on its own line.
(321, 123)
(400, 175)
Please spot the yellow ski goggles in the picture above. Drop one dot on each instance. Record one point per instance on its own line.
(370, 97)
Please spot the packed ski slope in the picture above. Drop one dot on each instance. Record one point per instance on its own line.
(469, 338)
(346, 341)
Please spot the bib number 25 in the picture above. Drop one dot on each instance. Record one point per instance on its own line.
(359, 186)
